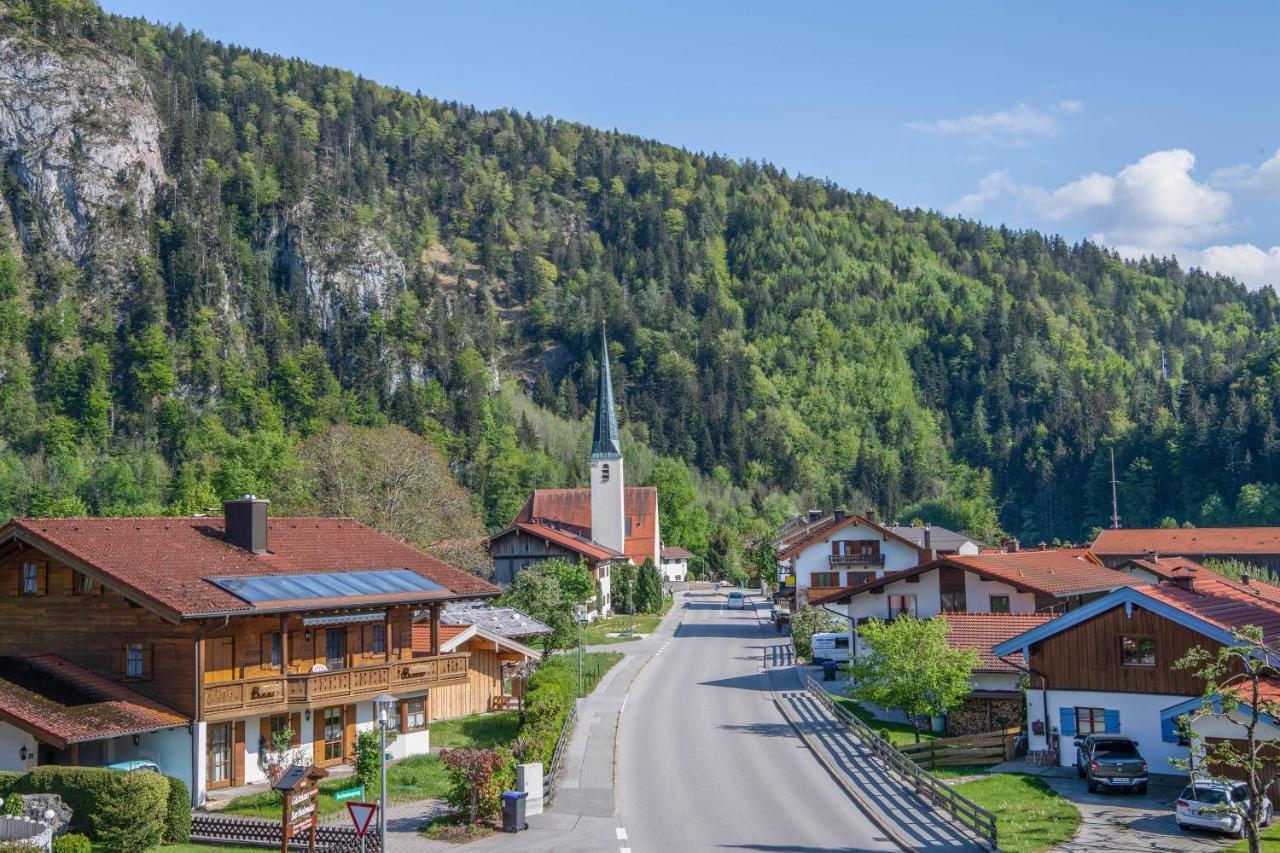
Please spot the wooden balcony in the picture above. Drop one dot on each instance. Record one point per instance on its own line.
(841, 560)
(298, 691)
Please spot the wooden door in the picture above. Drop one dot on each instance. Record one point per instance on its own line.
(218, 769)
(332, 736)
(335, 648)
(220, 659)
(237, 754)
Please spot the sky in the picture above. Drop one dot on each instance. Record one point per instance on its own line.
(1153, 128)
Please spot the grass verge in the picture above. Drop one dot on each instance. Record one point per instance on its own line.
(483, 730)
(1030, 817)
(898, 734)
(597, 632)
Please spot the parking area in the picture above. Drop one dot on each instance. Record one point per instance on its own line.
(1123, 821)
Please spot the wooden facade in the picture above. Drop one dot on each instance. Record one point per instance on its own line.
(514, 550)
(1088, 656)
(483, 689)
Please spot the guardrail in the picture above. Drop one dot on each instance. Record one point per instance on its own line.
(940, 795)
(977, 749)
(259, 832)
(557, 756)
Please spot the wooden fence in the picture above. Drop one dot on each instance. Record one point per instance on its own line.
(940, 795)
(552, 775)
(979, 750)
(259, 832)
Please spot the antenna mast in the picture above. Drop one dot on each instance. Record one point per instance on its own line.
(1115, 507)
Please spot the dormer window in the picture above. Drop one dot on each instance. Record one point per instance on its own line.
(604, 473)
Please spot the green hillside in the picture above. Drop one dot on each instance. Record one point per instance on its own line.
(323, 249)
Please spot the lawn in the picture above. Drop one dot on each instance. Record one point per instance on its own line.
(1029, 816)
(1270, 841)
(642, 623)
(418, 777)
(898, 734)
(485, 730)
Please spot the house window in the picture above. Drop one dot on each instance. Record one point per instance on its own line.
(1138, 651)
(628, 525)
(825, 579)
(415, 715)
(333, 733)
(953, 602)
(277, 652)
(30, 578)
(335, 647)
(859, 578)
(134, 663)
(999, 604)
(902, 605)
(82, 584)
(604, 473)
(379, 646)
(1090, 721)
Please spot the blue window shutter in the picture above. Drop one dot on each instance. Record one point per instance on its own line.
(1112, 720)
(1169, 729)
(1068, 719)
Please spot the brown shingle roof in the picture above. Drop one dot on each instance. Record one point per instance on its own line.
(1222, 602)
(165, 560)
(60, 703)
(982, 631)
(1188, 540)
(571, 508)
(567, 539)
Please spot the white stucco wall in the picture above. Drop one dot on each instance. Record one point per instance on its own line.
(815, 558)
(12, 740)
(170, 748)
(969, 549)
(996, 680)
(1139, 719)
(978, 592)
(675, 570)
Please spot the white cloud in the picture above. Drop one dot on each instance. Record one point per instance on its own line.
(1011, 128)
(1070, 107)
(1151, 206)
(1253, 266)
(1264, 179)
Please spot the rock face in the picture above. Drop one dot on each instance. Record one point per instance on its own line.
(83, 138)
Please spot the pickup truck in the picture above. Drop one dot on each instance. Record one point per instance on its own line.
(1111, 761)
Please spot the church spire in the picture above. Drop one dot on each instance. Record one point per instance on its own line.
(604, 439)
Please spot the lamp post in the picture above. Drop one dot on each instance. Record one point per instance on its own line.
(383, 703)
(580, 616)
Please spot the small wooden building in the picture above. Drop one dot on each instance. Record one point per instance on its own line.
(495, 679)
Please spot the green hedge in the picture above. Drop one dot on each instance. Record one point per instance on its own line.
(549, 694)
(177, 821)
(123, 812)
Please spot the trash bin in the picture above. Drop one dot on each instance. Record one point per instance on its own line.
(828, 670)
(513, 811)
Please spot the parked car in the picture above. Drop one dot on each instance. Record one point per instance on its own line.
(1111, 761)
(136, 764)
(735, 600)
(831, 646)
(1216, 804)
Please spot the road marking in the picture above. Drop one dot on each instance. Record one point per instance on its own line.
(622, 834)
(625, 850)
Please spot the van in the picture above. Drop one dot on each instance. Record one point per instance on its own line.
(831, 647)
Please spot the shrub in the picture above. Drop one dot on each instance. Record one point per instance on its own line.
(13, 805)
(369, 761)
(125, 812)
(476, 779)
(177, 822)
(72, 842)
(8, 779)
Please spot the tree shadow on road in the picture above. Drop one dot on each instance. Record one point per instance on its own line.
(756, 681)
(743, 631)
(761, 729)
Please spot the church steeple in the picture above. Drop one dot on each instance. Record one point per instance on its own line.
(605, 443)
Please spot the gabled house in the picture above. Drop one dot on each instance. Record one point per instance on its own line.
(1259, 546)
(1156, 569)
(199, 639)
(675, 564)
(1107, 666)
(607, 522)
(996, 701)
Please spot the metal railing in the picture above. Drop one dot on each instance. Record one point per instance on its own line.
(939, 794)
(857, 559)
(557, 756)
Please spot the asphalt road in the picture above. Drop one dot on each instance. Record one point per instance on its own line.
(707, 762)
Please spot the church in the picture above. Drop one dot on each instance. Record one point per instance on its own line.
(606, 523)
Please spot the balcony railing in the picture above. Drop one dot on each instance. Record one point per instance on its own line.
(857, 560)
(296, 691)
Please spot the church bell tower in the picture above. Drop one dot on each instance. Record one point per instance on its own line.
(608, 502)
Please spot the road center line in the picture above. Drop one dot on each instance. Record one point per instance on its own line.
(622, 834)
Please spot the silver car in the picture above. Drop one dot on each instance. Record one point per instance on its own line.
(735, 600)
(1216, 804)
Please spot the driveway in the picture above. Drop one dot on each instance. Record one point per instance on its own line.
(1123, 821)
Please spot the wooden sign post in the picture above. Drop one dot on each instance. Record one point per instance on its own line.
(300, 787)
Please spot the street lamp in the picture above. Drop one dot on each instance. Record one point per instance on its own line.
(580, 616)
(383, 704)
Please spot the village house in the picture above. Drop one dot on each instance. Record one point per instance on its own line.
(603, 524)
(996, 701)
(1258, 546)
(1108, 667)
(675, 564)
(192, 641)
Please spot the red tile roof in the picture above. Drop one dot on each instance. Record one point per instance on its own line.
(164, 561)
(1053, 571)
(571, 508)
(1188, 540)
(982, 631)
(675, 553)
(566, 539)
(1222, 602)
(1167, 568)
(826, 594)
(60, 703)
(422, 635)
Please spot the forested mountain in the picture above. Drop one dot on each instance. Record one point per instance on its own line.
(212, 253)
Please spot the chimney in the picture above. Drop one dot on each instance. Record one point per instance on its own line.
(837, 515)
(1244, 578)
(928, 536)
(1043, 545)
(1014, 545)
(870, 514)
(815, 516)
(1153, 556)
(245, 522)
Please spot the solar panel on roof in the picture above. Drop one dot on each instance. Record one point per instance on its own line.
(259, 588)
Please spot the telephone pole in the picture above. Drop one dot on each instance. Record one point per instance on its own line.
(1115, 506)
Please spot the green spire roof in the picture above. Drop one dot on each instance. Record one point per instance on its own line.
(604, 439)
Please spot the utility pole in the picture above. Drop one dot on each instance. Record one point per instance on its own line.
(1115, 506)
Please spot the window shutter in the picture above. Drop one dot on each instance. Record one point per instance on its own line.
(146, 660)
(264, 735)
(835, 546)
(1111, 718)
(121, 656)
(42, 579)
(237, 756)
(1067, 719)
(1169, 729)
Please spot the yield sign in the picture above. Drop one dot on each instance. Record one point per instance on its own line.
(362, 815)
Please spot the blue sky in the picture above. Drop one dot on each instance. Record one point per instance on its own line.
(1152, 127)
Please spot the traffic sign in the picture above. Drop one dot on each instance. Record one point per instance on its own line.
(362, 815)
(349, 794)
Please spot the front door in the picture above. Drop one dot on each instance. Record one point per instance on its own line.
(335, 647)
(218, 756)
(333, 735)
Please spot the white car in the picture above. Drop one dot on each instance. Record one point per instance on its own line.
(735, 600)
(1215, 804)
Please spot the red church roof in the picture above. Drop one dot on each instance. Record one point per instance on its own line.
(571, 510)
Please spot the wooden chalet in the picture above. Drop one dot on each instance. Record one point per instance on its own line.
(199, 638)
